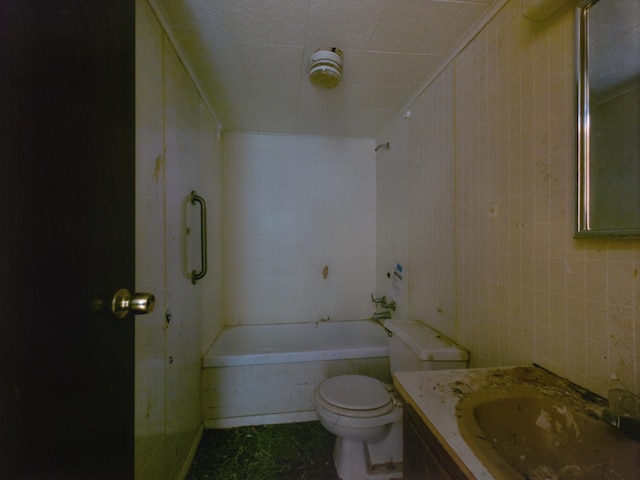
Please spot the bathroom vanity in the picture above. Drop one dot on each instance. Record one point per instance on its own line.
(432, 444)
(424, 456)
(510, 422)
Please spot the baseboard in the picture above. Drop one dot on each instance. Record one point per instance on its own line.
(271, 419)
(186, 466)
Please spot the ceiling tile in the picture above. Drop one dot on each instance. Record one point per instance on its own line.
(280, 119)
(240, 118)
(322, 100)
(250, 57)
(377, 97)
(344, 24)
(278, 22)
(272, 94)
(272, 64)
(396, 70)
(310, 122)
(413, 26)
(357, 123)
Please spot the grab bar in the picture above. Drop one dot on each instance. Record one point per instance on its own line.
(195, 275)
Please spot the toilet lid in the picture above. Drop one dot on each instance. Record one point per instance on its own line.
(354, 392)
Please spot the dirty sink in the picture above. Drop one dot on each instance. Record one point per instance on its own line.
(520, 422)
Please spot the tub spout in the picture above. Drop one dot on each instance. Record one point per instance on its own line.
(377, 316)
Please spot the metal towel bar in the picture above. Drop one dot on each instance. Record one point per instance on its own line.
(195, 275)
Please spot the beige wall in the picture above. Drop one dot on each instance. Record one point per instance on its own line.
(177, 151)
(501, 116)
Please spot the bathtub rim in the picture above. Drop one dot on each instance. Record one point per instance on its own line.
(211, 359)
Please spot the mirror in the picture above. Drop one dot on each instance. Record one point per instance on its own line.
(608, 71)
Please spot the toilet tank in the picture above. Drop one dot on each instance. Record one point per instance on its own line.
(416, 346)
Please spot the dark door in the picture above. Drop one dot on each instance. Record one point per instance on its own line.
(66, 238)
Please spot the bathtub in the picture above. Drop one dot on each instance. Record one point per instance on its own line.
(267, 374)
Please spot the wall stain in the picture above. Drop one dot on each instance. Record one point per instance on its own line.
(159, 167)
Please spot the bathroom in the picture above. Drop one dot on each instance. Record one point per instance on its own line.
(474, 198)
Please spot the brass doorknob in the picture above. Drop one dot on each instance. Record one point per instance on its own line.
(138, 303)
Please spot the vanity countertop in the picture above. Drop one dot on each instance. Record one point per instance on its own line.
(435, 394)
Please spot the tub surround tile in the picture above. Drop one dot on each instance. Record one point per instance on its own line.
(293, 205)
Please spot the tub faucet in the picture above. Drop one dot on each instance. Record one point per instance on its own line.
(383, 302)
(377, 316)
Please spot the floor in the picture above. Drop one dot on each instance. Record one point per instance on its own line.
(296, 451)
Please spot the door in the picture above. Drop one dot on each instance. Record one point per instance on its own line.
(66, 238)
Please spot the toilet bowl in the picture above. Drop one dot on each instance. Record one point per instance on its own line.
(366, 416)
(366, 420)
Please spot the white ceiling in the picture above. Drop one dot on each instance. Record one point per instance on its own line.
(250, 58)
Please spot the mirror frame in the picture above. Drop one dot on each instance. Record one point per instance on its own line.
(584, 228)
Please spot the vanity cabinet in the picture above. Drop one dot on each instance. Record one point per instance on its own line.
(424, 456)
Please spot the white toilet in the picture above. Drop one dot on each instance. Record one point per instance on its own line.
(366, 416)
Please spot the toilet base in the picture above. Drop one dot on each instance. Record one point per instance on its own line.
(381, 460)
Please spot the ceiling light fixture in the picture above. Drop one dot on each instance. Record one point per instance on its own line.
(325, 68)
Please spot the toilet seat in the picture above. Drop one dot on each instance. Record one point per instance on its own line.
(354, 396)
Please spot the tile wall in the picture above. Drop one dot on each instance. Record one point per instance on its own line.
(392, 212)
(294, 205)
(430, 182)
(501, 117)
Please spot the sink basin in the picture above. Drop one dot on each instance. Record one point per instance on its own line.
(519, 431)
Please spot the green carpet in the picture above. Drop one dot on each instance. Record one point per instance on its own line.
(297, 451)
